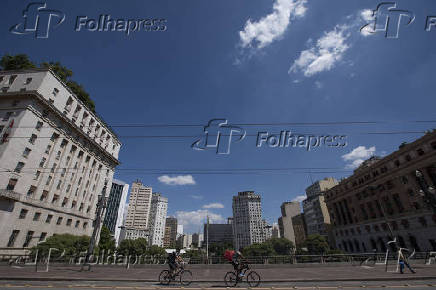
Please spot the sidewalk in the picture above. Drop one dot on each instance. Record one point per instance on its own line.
(201, 273)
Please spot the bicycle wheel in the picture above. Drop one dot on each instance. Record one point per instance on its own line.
(164, 277)
(230, 279)
(185, 277)
(253, 279)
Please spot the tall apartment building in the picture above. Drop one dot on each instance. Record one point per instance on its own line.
(158, 214)
(248, 226)
(184, 241)
(300, 229)
(170, 236)
(56, 156)
(138, 212)
(197, 240)
(286, 227)
(383, 193)
(316, 215)
(115, 206)
(275, 230)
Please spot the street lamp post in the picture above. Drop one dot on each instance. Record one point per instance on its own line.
(427, 192)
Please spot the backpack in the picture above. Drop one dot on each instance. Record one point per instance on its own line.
(228, 254)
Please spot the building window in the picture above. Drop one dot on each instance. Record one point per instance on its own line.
(85, 225)
(28, 81)
(11, 184)
(19, 166)
(39, 125)
(36, 216)
(49, 218)
(58, 155)
(12, 79)
(64, 202)
(77, 224)
(53, 168)
(73, 204)
(31, 190)
(12, 238)
(55, 198)
(43, 195)
(48, 180)
(23, 213)
(59, 221)
(69, 221)
(32, 139)
(47, 150)
(29, 237)
(55, 92)
(63, 172)
(42, 236)
(41, 164)
(26, 152)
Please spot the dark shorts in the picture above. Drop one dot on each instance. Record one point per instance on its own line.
(173, 266)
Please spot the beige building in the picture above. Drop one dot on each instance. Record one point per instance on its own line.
(286, 227)
(56, 155)
(170, 236)
(315, 210)
(300, 231)
(138, 212)
(383, 193)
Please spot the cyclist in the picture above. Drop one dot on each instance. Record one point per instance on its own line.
(236, 261)
(174, 261)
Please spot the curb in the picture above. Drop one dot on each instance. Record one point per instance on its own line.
(217, 281)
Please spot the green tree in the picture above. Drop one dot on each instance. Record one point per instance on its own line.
(73, 245)
(264, 249)
(133, 247)
(61, 71)
(80, 92)
(107, 242)
(281, 246)
(156, 251)
(16, 62)
(316, 244)
(218, 249)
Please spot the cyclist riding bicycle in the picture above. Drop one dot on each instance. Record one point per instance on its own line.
(174, 261)
(235, 258)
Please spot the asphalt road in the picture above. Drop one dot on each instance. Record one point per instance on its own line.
(417, 284)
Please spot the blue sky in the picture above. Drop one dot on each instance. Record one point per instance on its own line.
(250, 62)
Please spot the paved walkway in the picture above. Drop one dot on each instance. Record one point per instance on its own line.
(202, 273)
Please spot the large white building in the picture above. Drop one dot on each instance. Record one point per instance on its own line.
(158, 214)
(115, 208)
(138, 212)
(248, 226)
(56, 155)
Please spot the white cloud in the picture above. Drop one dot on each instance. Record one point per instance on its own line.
(192, 221)
(300, 198)
(214, 205)
(357, 156)
(271, 27)
(328, 50)
(177, 180)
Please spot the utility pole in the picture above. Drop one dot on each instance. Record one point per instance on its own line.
(427, 192)
(207, 239)
(101, 205)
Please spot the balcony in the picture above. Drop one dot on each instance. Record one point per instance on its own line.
(9, 194)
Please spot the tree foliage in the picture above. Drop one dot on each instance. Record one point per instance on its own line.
(107, 242)
(22, 61)
(218, 249)
(281, 246)
(316, 244)
(72, 245)
(263, 249)
(139, 247)
(16, 62)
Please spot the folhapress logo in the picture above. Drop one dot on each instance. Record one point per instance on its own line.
(38, 20)
(389, 20)
(218, 134)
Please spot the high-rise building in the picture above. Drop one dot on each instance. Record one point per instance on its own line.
(299, 225)
(384, 195)
(184, 241)
(197, 240)
(289, 210)
(56, 156)
(115, 206)
(218, 233)
(315, 209)
(138, 212)
(275, 230)
(170, 236)
(248, 226)
(179, 230)
(158, 213)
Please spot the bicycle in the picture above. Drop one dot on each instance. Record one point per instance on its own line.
(184, 276)
(233, 278)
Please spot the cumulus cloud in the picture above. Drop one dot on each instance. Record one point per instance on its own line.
(214, 205)
(271, 27)
(331, 47)
(357, 156)
(300, 198)
(177, 180)
(192, 221)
